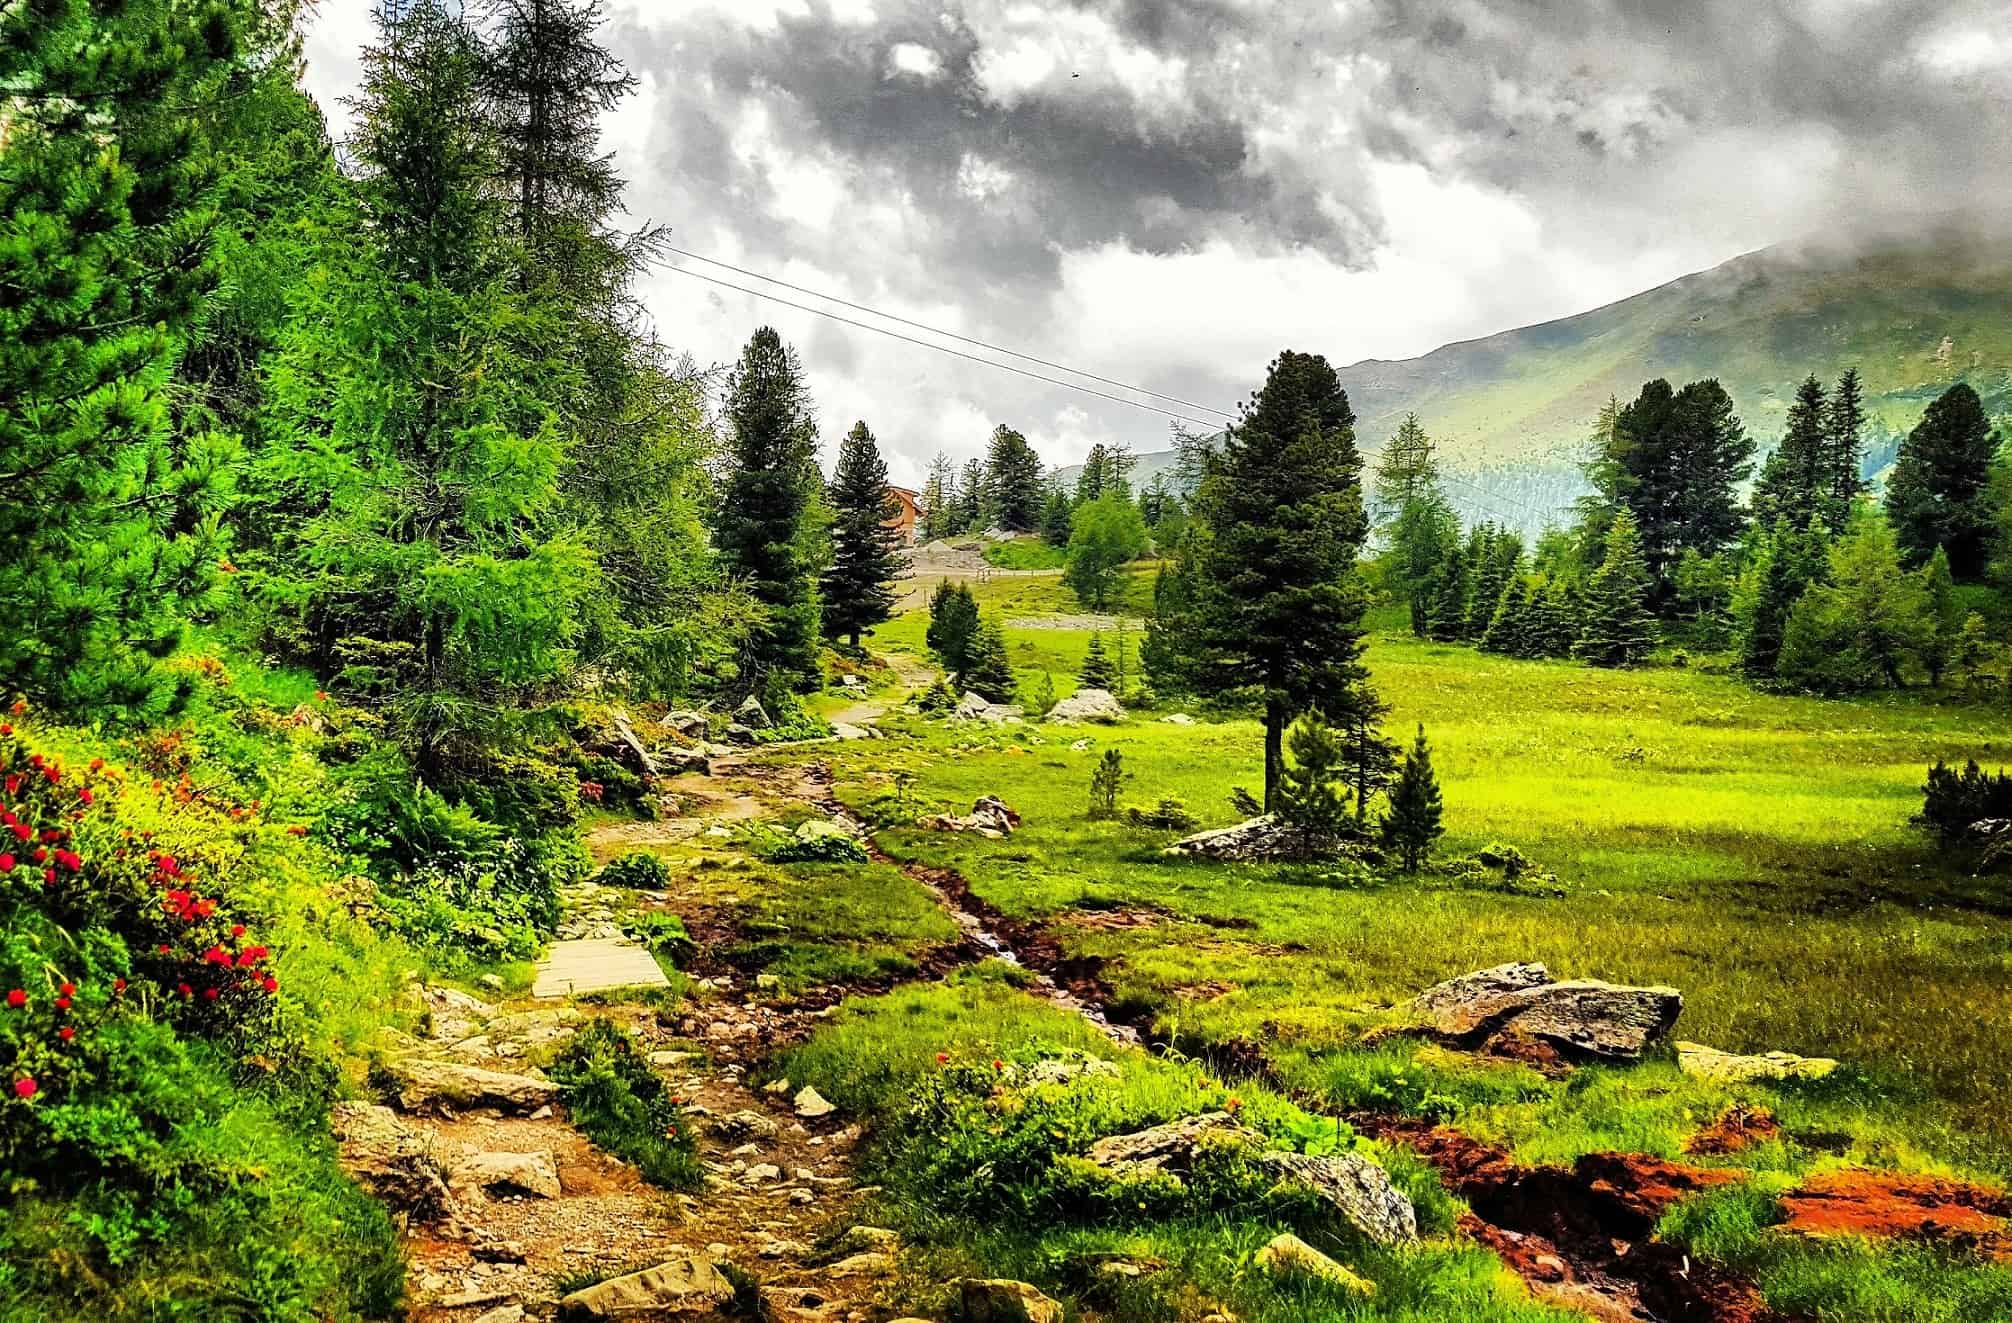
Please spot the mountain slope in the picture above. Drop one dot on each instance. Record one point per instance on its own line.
(1913, 316)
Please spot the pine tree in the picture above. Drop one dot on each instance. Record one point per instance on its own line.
(1156, 501)
(1313, 795)
(973, 501)
(1936, 496)
(953, 624)
(1413, 822)
(1271, 598)
(1557, 619)
(107, 183)
(1090, 478)
(1675, 461)
(1369, 759)
(1056, 516)
(1098, 671)
(1796, 482)
(988, 671)
(1499, 559)
(1106, 780)
(858, 588)
(766, 501)
(1512, 630)
(1788, 563)
(1618, 628)
(1843, 423)
(1013, 481)
(939, 499)
(1446, 617)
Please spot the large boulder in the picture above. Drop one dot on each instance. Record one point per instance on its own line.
(1355, 1188)
(427, 1085)
(1099, 705)
(976, 707)
(1709, 1063)
(989, 816)
(638, 756)
(396, 1161)
(1514, 1007)
(998, 1300)
(752, 714)
(684, 1285)
(691, 725)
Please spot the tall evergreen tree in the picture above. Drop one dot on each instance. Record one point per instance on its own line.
(1056, 517)
(1449, 593)
(1861, 627)
(107, 184)
(1272, 601)
(858, 587)
(1936, 496)
(1498, 559)
(767, 497)
(973, 500)
(953, 623)
(1013, 481)
(1941, 638)
(1093, 476)
(1105, 536)
(1406, 471)
(1617, 626)
(987, 669)
(1844, 422)
(1098, 671)
(1413, 821)
(939, 499)
(1675, 461)
(1787, 563)
(1795, 483)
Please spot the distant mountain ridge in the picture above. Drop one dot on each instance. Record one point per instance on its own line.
(1914, 314)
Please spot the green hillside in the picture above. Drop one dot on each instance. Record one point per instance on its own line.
(1512, 409)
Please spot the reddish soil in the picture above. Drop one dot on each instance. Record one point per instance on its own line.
(1736, 1130)
(1582, 1236)
(1894, 1205)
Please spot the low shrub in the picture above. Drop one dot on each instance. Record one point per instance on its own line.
(1170, 814)
(616, 1100)
(638, 870)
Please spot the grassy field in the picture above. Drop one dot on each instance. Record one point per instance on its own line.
(1753, 851)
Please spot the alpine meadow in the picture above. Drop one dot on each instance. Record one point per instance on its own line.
(865, 661)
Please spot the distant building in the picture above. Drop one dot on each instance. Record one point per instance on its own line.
(904, 519)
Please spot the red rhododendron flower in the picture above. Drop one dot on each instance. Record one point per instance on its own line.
(271, 983)
(17, 999)
(62, 1003)
(237, 930)
(25, 1087)
(66, 1033)
(118, 985)
(6, 863)
(97, 764)
(162, 948)
(185, 990)
(942, 1057)
(85, 794)
(68, 989)
(209, 994)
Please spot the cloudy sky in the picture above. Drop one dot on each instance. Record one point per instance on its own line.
(1167, 192)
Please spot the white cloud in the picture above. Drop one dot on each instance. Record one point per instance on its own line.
(914, 59)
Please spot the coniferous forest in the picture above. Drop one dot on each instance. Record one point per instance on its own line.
(505, 819)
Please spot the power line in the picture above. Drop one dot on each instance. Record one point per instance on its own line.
(937, 330)
(941, 349)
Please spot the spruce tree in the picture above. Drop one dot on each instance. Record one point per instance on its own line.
(858, 588)
(973, 501)
(1098, 671)
(939, 498)
(1796, 482)
(1617, 628)
(1788, 563)
(1413, 821)
(1941, 640)
(107, 183)
(1368, 758)
(1272, 600)
(1861, 627)
(1446, 616)
(1512, 632)
(1936, 496)
(1090, 479)
(1013, 481)
(1056, 517)
(1675, 461)
(1844, 421)
(988, 670)
(1500, 560)
(1313, 794)
(1406, 472)
(763, 508)
(953, 623)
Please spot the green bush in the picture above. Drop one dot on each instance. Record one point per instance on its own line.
(639, 870)
(617, 1101)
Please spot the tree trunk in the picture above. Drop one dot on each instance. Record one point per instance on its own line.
(1274, 750)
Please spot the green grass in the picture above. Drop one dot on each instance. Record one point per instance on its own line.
(1025, 553)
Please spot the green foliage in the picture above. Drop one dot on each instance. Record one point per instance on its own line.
(1617, 628)
(617, 1101)
(1313, 795)
(1859, 628)
(1169, 814)
(1674, 459)
(939, 699)
(858, 586)
(108, 184)
(1013, 487)
(1107, 534)
(1787, 562)
(832, 847)
(1953, 801)
(1105, 782)
(1937, 494)
(1040, 697)
(1269, 603)
(1414, 820)
(1057, 518)
(987, 671)
(1098, 670)
(638, 870)
(953, 625)
(764, 525)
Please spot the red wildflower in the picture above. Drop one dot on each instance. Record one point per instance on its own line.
(321, 695)
(22, 831)
(97, 764)
(6, 863)
(1233, 1103)
(17, 999)
(271, 983)
(997, 1064)
(85, 794)
(209, 994)
(942, 1058)
(185, 990)
(25, 1087)
(118, 985)
(20, 707)
(13, 783)
(62, 1003)
(162, 948)
(237, 930)
(66, 1033)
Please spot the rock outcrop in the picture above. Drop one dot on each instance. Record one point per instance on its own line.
(684, 1285)
(1286, 1254)
(1512, 1007)
(989, 816)
(395, 1161)
(1254, 840)
(976, 707)
(426, 1085)
(1098, 705)
(998, 1300)
(1709, 1063)
(509, 1173)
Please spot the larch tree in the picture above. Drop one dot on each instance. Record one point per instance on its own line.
(1105, 536)
(1270, 601)
(1937, 494)
(107, 184)
(766, 501)
(866, 557)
